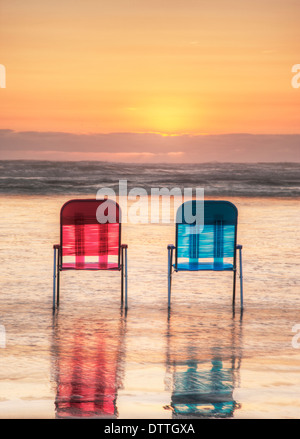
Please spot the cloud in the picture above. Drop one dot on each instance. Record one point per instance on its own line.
(149, 147)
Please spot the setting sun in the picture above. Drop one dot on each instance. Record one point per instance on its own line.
(167, 119)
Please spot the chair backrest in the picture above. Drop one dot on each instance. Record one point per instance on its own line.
(82, 235)
(213, 240)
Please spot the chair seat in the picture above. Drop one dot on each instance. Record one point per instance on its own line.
(197, 266)
(90, 266)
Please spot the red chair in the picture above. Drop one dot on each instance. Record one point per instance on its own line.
(90, 239)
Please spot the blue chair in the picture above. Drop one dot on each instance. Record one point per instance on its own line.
(209, 246)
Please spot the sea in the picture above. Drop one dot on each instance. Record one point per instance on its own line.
(217, 179)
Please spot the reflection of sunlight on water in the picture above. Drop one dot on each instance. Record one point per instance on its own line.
(203, 361)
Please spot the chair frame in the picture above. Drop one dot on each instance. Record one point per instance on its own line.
(173, 248)
(57, 262)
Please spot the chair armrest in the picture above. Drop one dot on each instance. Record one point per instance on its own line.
(56, 246)
(171, 247)
(239, 247)
(124, 246)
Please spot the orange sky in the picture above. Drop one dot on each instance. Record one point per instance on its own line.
(167, 66)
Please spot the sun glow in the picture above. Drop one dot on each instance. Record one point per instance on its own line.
(168, 119)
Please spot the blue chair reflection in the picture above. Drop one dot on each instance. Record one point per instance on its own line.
(204, 392)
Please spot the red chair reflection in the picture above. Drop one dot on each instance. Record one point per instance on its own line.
(88, 368)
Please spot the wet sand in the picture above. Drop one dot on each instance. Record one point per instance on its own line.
(200, 360)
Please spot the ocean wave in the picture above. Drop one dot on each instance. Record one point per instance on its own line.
(217, 179)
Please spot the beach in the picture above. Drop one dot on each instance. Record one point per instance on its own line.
(202, 359)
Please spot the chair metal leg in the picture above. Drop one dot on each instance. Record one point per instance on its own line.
(122, 277)
(234, 285)
(57, 279)
(54, 279)
(241, 275)
(126, 280)
(169, 275)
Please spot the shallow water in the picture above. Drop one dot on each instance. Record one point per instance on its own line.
(200, 360)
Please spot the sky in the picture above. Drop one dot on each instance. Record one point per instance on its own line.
(195, 80)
